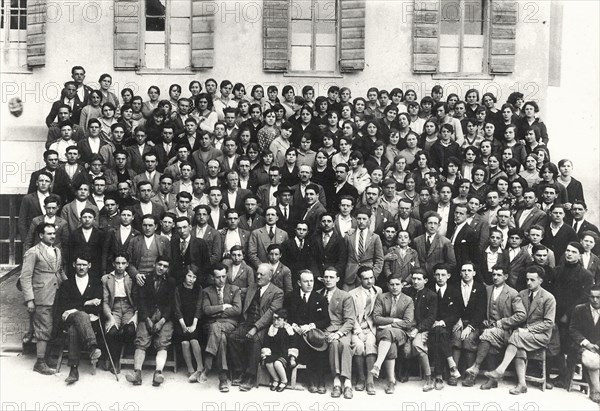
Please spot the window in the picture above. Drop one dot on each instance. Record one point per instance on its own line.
(463, 31)
(313, 36)
(13, 33)
(167, 34)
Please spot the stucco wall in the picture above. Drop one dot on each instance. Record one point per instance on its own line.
(80, 33)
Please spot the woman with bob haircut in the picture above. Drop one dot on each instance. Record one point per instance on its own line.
(573, 186)
(358, 175)
(531, 119)
(549, 175)
(365, 143)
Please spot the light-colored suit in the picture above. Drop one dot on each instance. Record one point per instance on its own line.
(372, 257)
(440, 251)
(69, 213)
(62, 233)
(383, 318)
(535, 334)
(243, 279)
(108, 300)
(155, 180)
(41, 275)
(259, 242)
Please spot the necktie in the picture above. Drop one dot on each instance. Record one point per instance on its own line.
(250, 221)
(394, 306)
(530, 297)
(575, 226)
(271, 234)
(439, 293)
(301, 244)
(304, 298)
(361, 245)
(183, 246)
(157, 283)
(220, 296)
(285, 213)
(325, 239)
(368, 304)
(427, 243)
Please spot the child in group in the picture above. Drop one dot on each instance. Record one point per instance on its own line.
(187, 311)
(277, 348)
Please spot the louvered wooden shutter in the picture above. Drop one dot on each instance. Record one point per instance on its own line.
(36, 33)
(203, 39)
(352, 56)
(127, 34)
(426, 36)
(503, 19)
(275, 35)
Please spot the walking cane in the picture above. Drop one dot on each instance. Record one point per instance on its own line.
(108, 349)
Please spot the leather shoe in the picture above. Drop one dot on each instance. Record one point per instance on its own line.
(73, 376)
(336, 392)
(194, 376)
(489, 384)
(321, 389)
(519, 389)
(390, 387)
(41, 367)
(360, 386)
(469, 380)
(428, 384)
(313, 389)
(135, 378)
(370, 388)
(158, 378)
(348, 393)
(223, 386)
(235, 381)
(494, 375)
(375, 371)
(403, 378)
(95, 354)
(202, 378)
(247, 385)
(452, 381)
(439, 383)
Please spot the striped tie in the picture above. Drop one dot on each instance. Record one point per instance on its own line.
(361, 245)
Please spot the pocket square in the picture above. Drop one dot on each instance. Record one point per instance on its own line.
(319, 309)
(463, 241)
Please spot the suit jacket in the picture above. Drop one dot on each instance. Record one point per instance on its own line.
(372, 257)
(466, 247)
(85, 150)
(258, 221)
(313, 216)
(137, 244)
(62, 232)
(244, 237)
(511, 311)
(336, 225)
(239, 199)
(108, 288)
(594, 267)
(168, 203)
(482, 229)
(440, 251)
(264, 199)
(69, 213)
(582, 327)
(426, 306)
(558, 243)
(75, 112)
(333, 201)
(112, 180)
(243, 280)
(29, 209)
(70, 298)
(282, 278)
(157, 211)
(473, 313)
(259, 242)
(296, 259)
(136, 161)
(313, 311)
(341, 312)
(162, 157)
(211, 154)
(114, 244)
(517, 268)
(41, 275)
(289, 224)
(92, 248)
(587, 226)
(59, 185)
(540, 315)
(405, 310)
(298, 199)
(381, 216)
(217, 224)
(334, 253)
(196, 258)
(155, 180)
(414, 228)
(151, 299)
(214, 311)
(213, 241)
(536, 216)
(270, 301)
(401, 266)
(449, 305)
(359, 309)
(486, 275)
(572, 284)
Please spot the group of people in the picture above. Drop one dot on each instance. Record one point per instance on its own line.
(359, 237)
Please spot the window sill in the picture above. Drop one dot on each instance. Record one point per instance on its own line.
(16, 70)
(310, 74)
(462, 76)
(167, 72)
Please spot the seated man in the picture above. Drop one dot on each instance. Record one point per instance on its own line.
(505, 312)
(394, 316)
(425, 302)
(363, 336)
(471, 313)
(308, 315)
(155, 325)
(221, 306)
(244, 343)
(118, 306)
(79, 300)
(341, 314)
(585, 334)
(534, 335)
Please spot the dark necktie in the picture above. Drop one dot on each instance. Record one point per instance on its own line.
(271, 234)
(301, 245)
(285, 213)
(530, 297)
(427, 243)
(304, 298)
(157, 282)
(361, 244)
(439, 293)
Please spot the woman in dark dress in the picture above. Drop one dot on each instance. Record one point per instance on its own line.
(187, 309)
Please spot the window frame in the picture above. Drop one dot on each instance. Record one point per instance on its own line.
(485, 70)
(338, 43)
(19, 46)
(142, 44)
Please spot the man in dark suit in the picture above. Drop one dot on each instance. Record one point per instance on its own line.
(476, 221)
(364, 249)
(216, 215)
(239, 273)
(328, 248)
(518, 259)
(117, 239)
(445, 208)
(79, 302)
(204, 231)
(308, 315)
(145, 205)
(188, 253)
(60, 179)
(137, 151)
(379, 215)
(233, 195)
(232, 234)
(581, 225)
(155, 324)
(557, 234)
(505, 312)
(288, 215)
(296, 252)
(471, 313)
(464, 239)
(222, 307)
(244, 343)
(250, 220)
(585, 335)
(88, 240)
(51, 204)
(267, 193)
(69, 97)
(167, 149)
(31, 204)
(341, 188)
(262, 238)
(531, 214)
(448, 297)
(432, 247)
(189, 137)
(394, 316)
(314, 208)
(164, 197)
(305, 175)
(405, 222)
(72, 212)
(145, 249)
